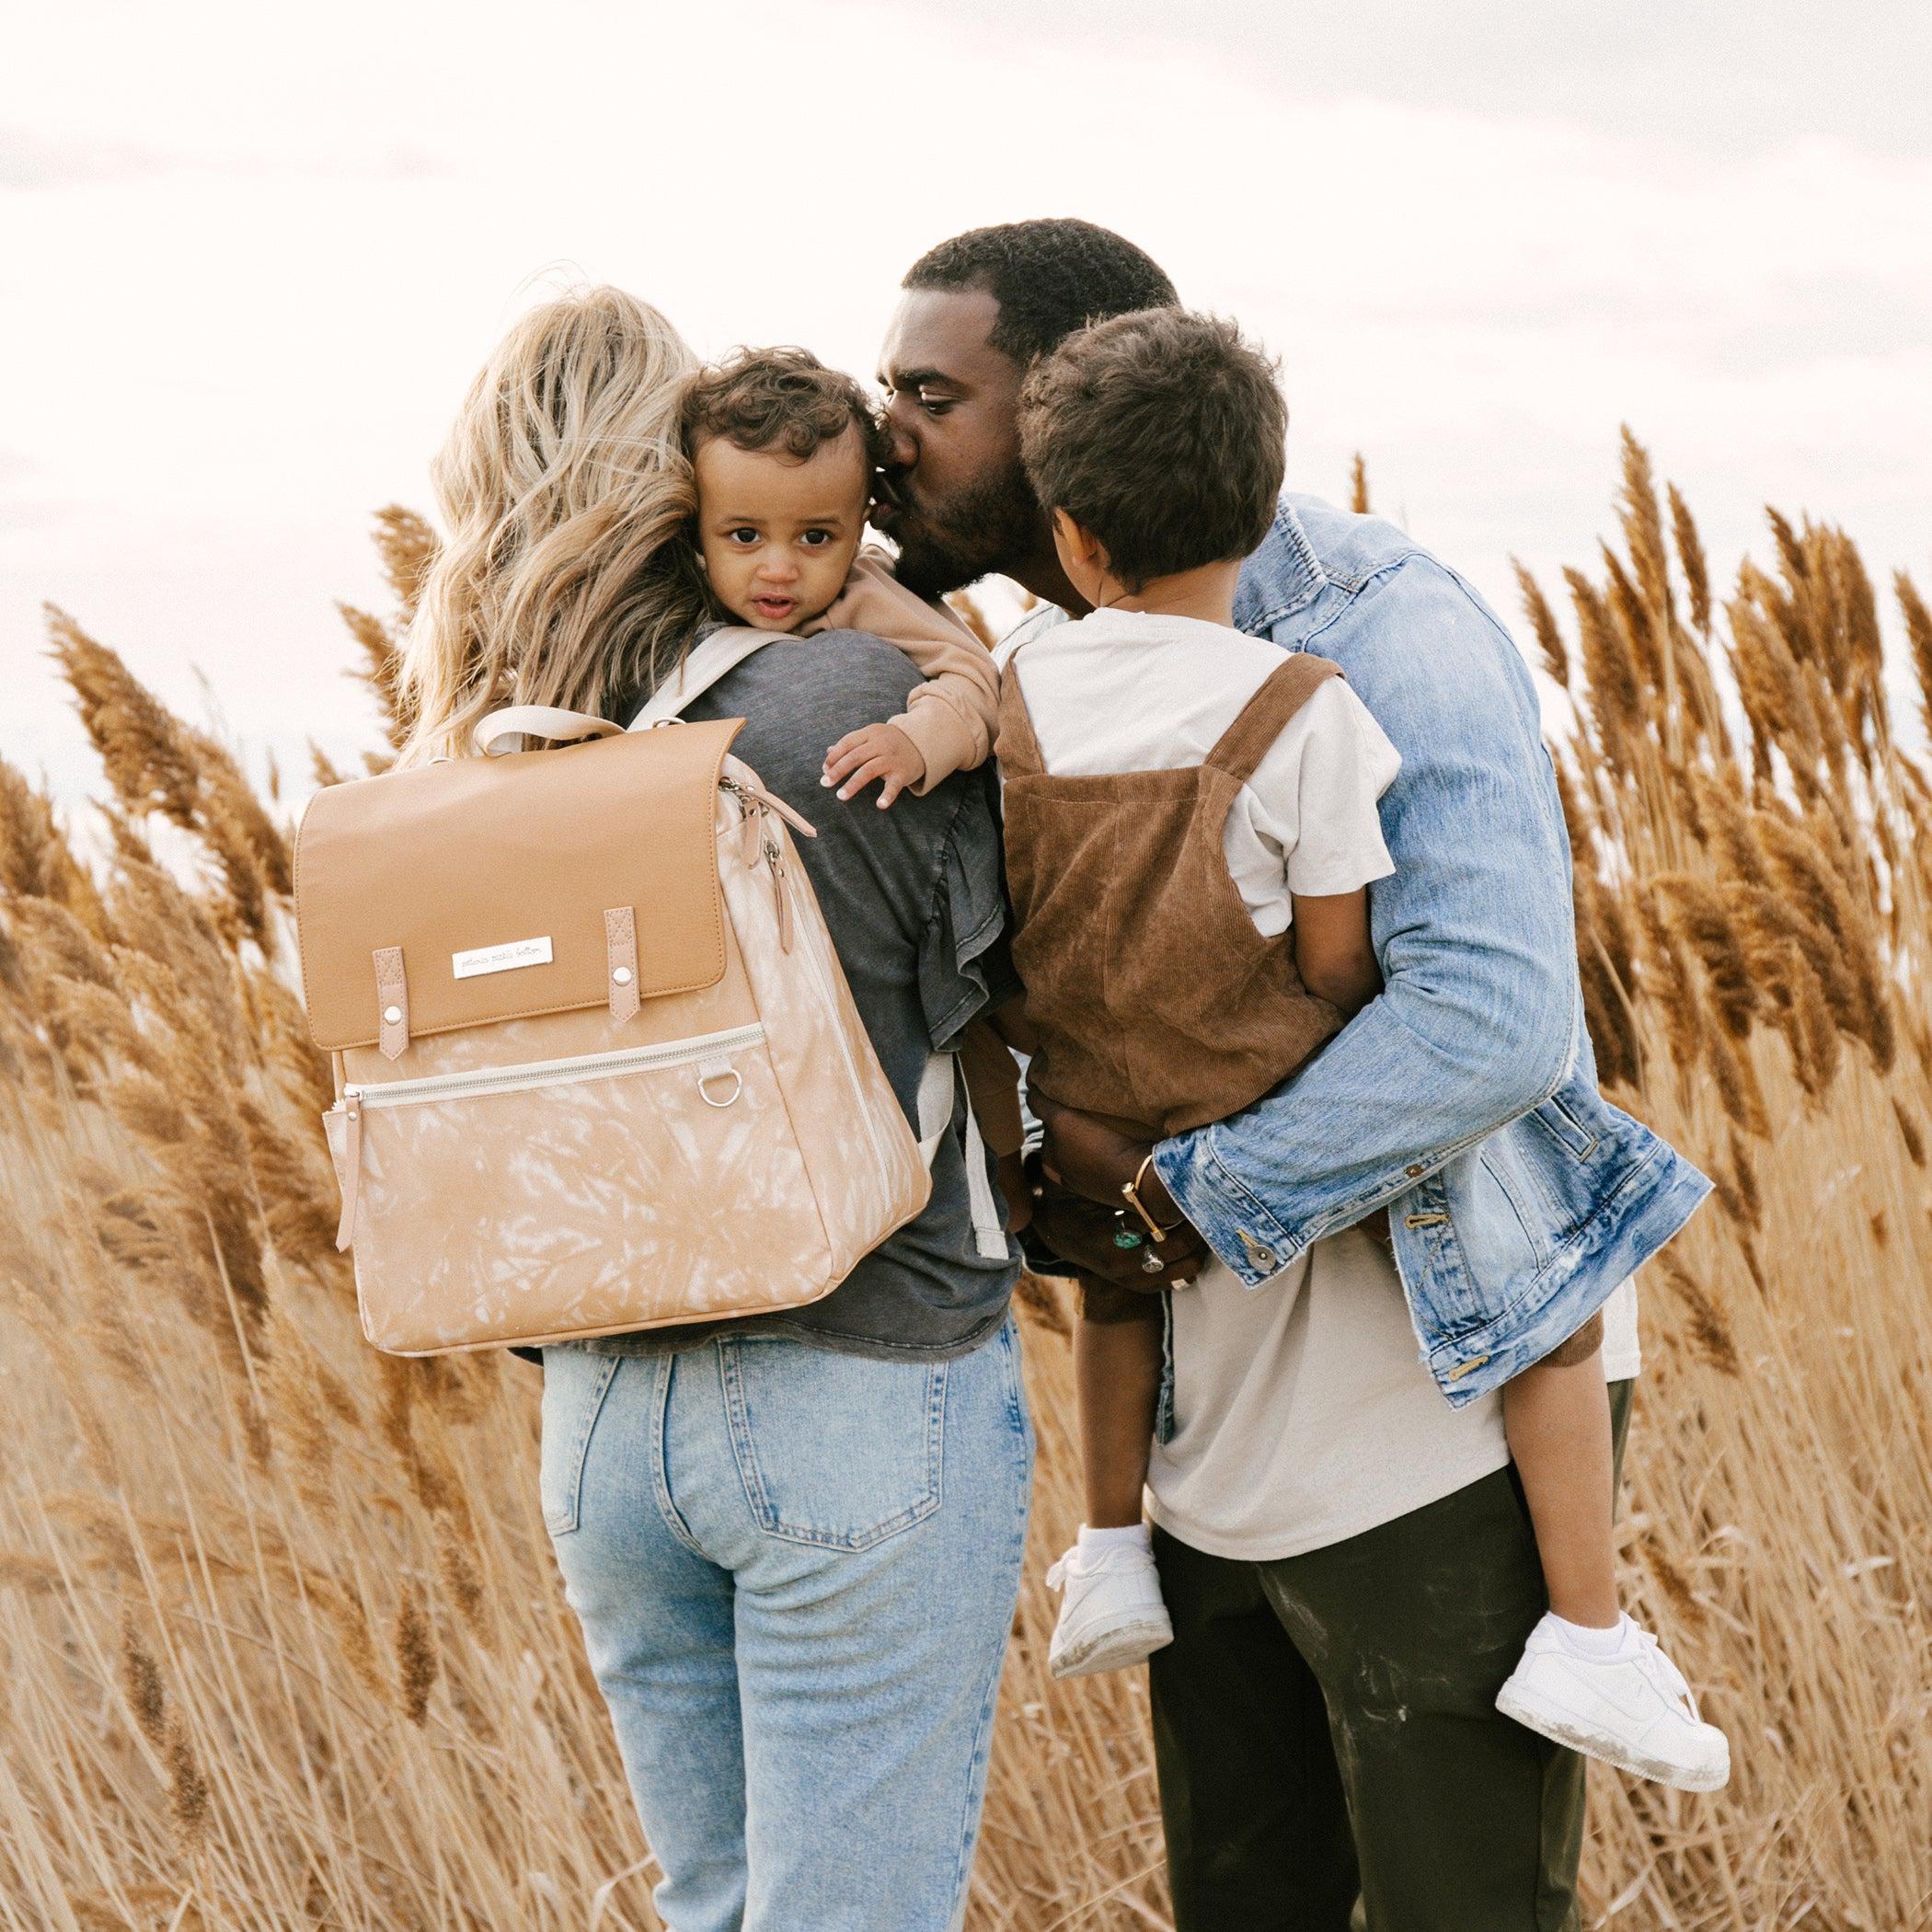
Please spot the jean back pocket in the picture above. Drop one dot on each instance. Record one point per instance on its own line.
(839, 1450)
(575, 1384)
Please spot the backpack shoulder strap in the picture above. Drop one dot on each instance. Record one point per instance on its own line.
(705, 664)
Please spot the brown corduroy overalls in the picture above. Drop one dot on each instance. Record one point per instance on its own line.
(1156, 999)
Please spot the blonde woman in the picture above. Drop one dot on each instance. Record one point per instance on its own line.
(563, 578)
(793, 1543)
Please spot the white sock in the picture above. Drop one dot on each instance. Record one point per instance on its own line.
(1131, 1535)
(1587, 1641)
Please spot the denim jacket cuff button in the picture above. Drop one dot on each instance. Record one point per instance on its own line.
(1259, 1257)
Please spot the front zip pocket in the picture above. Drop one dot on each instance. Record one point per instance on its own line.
(577, 1192)
(558, 1073)
(718, 1084)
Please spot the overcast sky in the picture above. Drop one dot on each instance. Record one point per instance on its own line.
(250, 256)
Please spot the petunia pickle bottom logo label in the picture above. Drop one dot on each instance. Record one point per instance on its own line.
(506, 958)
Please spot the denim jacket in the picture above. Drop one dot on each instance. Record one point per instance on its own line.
(1465, 1097)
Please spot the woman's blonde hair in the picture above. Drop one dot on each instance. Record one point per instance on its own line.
(565, 577)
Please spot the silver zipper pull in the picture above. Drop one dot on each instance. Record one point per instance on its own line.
(740, 789)
(751, 817)
(781, 898)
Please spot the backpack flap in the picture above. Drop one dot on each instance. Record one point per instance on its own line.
(478, 890)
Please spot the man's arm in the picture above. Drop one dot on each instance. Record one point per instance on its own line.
(1475, 1022)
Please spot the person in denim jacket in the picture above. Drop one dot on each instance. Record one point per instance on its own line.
(1349, 1564)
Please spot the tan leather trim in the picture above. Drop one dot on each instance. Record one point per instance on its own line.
(392, 1002)
(479, 853)
(620, 934)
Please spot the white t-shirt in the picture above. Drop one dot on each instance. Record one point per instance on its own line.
(1124, 691)
(1303, 1412)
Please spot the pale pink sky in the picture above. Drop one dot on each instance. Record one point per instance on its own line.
(249, 257)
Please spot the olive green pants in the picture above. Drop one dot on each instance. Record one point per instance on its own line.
(1327, 1736)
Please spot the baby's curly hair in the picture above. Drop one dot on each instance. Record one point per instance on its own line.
(778, 399)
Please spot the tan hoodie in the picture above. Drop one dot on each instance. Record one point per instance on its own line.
(953, 715)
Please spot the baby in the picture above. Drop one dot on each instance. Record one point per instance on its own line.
(1192, 826)
(784, 450)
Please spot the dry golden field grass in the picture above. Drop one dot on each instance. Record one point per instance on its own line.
(281, 1643)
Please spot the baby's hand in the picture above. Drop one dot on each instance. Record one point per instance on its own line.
(881, 751)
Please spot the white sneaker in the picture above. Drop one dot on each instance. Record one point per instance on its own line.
(1113, 1615)
(1634, 1710)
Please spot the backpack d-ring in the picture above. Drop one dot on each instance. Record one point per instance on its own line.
(714, 1072)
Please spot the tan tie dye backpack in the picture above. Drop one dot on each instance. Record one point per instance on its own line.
(597, 1063)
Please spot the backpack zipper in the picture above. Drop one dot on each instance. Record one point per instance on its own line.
(553, 1072)
(830, 1004)
(509, 1079)
(756, 809)
(754, 803)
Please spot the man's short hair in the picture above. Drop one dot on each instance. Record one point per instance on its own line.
(1162, 433)
(778, 399)
(1049, 278)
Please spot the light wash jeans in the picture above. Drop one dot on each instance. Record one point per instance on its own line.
(796, 1572)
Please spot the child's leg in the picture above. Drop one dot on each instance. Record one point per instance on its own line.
(1557, 1416)
(1112, 1615)
(1589, 1677)
(1116, 1364)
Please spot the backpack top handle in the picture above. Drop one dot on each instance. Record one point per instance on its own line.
(494, 734)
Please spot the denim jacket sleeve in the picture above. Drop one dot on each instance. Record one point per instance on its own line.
(1477, 1021)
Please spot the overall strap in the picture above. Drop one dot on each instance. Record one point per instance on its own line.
(1265, 715)
(1017, 748)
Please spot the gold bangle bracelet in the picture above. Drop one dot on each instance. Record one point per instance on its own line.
(1131, 1194)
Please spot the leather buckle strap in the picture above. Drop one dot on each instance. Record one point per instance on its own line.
(392, 994)
(620, 940)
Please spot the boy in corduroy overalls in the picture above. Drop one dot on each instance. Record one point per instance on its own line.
(1192, 831)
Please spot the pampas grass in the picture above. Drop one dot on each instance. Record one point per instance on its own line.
(282, 1644)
